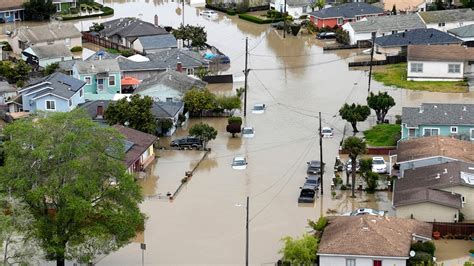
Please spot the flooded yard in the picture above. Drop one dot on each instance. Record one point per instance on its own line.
(453, 252)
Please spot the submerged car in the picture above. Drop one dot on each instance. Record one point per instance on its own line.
(248, 132)
(307, 194)
(239, 163)
(326, 35)
(379, 165)
(258, 108)
(312, 181)
(188, 142)
(208, 13)
(314, 168)
(349, 165)
(327, 132)
(365, 211)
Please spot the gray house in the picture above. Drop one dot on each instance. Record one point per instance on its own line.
(155, 43)
(7, 92)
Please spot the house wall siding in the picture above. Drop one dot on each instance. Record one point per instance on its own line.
(359, 261)
(61, 104)
(428, 212)
(421, 163)
(449, 26)
(468, 194)
(16, 48)
(444, 130)
(435, 71)
(92, 88)
(13, 15)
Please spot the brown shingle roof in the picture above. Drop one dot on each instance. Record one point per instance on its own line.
(11, 4)
(440, 53)
(424, 147)
(402, 5)
(141, 142)
(371, 235)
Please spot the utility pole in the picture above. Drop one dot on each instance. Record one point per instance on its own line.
(182, 13)
(284, 21)
(246, 72)
(321, 152)
(247, 235)
(371, 59)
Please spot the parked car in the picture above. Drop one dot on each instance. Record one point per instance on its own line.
(312, 181)
(326, 35)
(258, 108)
(349, 166)
(314, 168)
(327, 132)
(222, 59)
(248, 132)
(239, 163)
(365, 211)
(338, 165)
(208, 14)
(307, 195)
(188, 142)
(379, 165)
(278, 25)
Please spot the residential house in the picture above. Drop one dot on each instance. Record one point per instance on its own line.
(402, 6)
(56, 92)
(125, 31)
(53, 33)
(46, 55)
(445, 20)
(465, 33)
(7, 92)
(96, 109)
(250, 3)
(139, 151)
(294, 8)
(11, 10)
(102, 78)
(361, 31)
(357, 240)
(436, 193)
(340, 14)
(188, 61)
(102, 55)
(440, 62)
(438, 119)
(64, 6)
(397, 44)
(155, 43)
(433, 150)
(168, 86)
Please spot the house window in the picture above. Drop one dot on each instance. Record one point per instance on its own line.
(411, 132)
(340, 21)
(305, 9)
(112, 80)
(81, 92)
(7, 14)
(454, 130)
(472, 134)
(454, 68)
(394, 32)
(377, 263)
(441, 24)
(169, 99)
(190, 71)
(50, 105)
(350, 262)
(430, 132)
(67, 42)
(416, 67)
(70, 102)
(88, 80)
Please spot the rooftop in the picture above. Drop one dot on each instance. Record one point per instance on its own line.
(49, 32)
(369, 231)
(438, 114)
(167, 59)
(170, 79)
(57, 83)
(102, 55)
(91, 108)
(166, 109)
(163, 41)
(7, 87)
(444, 16)
(51, 51)
(402, 5)
(349, 10)
(440, 53)
(389, 23)
(295, 2)
(434, 146)
(97, 66)
(417, 36)
(136, 143)
(11, 4)
(463, 32)
(130, 28)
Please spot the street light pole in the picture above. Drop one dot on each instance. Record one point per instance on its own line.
(182, 13)
(371, 59)
(246, 74)
(321, 152)
(284, 21)
(247, 235)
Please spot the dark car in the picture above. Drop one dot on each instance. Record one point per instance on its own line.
(222, 59)
(314, 168)
(326, 35)
(307, 195)
(189, 142)
(278, 25)
(2, 20)
(312, 181)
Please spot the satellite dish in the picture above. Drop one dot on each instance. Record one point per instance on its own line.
(412, 253)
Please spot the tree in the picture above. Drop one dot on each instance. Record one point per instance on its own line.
(50, 69)
(195, 36)
(369, 177)
(299, 251)
(61, 166)
(319, 4)
(203, 131)
(234, 125)
(202, 72)
(467, 3)
(39, 9)
(135, 112)
(394, 10)
(197, 100)
(15, 72)
(380, 103)
(96, 27)
(342, 36)
(354, 113)
(355, 147)
(229, 102)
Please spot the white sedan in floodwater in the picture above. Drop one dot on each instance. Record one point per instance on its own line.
(239, 163)
(258, 108)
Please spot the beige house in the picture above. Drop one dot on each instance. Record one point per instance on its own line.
(53, 33)
(436, 193)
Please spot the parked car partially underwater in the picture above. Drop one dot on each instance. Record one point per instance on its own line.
(365, 211)
(239, 163)
(188, 142)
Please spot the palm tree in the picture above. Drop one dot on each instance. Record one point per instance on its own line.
(355, 147)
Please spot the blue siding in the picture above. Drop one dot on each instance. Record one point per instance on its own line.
(93, 88)
(61, 104)
(12, 15)
(444, 130)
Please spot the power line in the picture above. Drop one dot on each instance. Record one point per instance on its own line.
(300, 55)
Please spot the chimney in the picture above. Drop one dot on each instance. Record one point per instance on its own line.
(437, 176)
(156, 20)
(100, 112)
(179, 67)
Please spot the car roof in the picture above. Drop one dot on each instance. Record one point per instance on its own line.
(314, 162)
(377, 158)
(314, 177)
(239, 158)
(248, 128)
(327, 128)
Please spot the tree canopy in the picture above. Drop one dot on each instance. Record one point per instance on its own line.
(136, 113)
(354, 113)
(197, 100)
(15, 73)
(61, 167)
(355, 147)
(299, 251)
(380, 103)
(234, 125)
(204, 131)
(39, 9)
(195, 36)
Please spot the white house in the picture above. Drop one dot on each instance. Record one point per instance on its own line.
(370, 240)
(445, 20)
(361, 31)
(294, 8)
(47, 54)
(439, 62)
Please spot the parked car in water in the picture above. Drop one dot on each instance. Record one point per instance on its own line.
(365, 211)
(239, 163)
(248, 132)
(349, 165)
(327, 132)
(307, 194)
(258, 108)
(314, 168)
(312, 181)
(188, 142)
(278, 25)
(208, 14)
(326, 35)
(379, 165)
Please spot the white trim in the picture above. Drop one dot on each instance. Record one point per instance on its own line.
(421, 237)
(431, 128)
(36, 91)
(32, 86)
(90, 78)
(470, 135)
(46, 105)
(431, 157)
(52, 94)
(361, 256)
(115, 81)
(451, 130)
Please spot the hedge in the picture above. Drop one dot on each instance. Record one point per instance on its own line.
(107, 11)
(258, 20)
(76, 49)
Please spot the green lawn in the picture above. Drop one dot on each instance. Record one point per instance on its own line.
(395, 75)
(383, 135)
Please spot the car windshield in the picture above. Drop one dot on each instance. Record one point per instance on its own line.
(247, 131)
(312, 181)
(307, 193)
(378, 161)
(258, 107)
(327, 130)
(239, 162)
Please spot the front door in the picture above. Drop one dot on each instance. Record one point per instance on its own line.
(100, 85)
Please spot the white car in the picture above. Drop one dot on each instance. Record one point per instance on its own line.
(379, 165)
(327, 132)
(248, 132)
(258, 108)
(364, 211)
(349, 165)
(208, 14)
(239, 163)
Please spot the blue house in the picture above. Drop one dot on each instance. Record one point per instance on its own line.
(433, 119)
(102, 78)
(11, 10)
(56, 93)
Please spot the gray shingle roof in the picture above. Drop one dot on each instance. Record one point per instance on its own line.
(389, 23)
(438, 114)
(58, 84)
(295, 2)
(349, 10)
(165, 59)
(6, 87)
(97, 66)
(166, 109)
(463, 32)
(444, 16)
(158, 41)
(49, 32)
(102, 55)
(11, 4)
(446, 53)
(417, 36)
(91, 107)
(51, 51)
(130, 27)
(170, 79)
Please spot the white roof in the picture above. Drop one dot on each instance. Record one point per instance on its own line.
(138, 58)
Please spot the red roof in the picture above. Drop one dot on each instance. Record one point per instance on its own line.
(130, 81)
(139, 141)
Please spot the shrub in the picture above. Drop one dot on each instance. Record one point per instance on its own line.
(303, 17)
(235, 120)
(127, 52)
(338, 180)
(258, 20)
(343, 187)
(76, 49)
(426, 247)
(321, 224)
(342, 36)
(398, 119)
(333, 194)
(231, 12)
(6, 46)
(471, 251)
(421, 258)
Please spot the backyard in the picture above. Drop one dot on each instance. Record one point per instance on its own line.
(383, 135)
(395, 75)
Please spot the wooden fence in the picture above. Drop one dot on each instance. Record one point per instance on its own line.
(388, 61)
(95, 39)
(455, 229)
